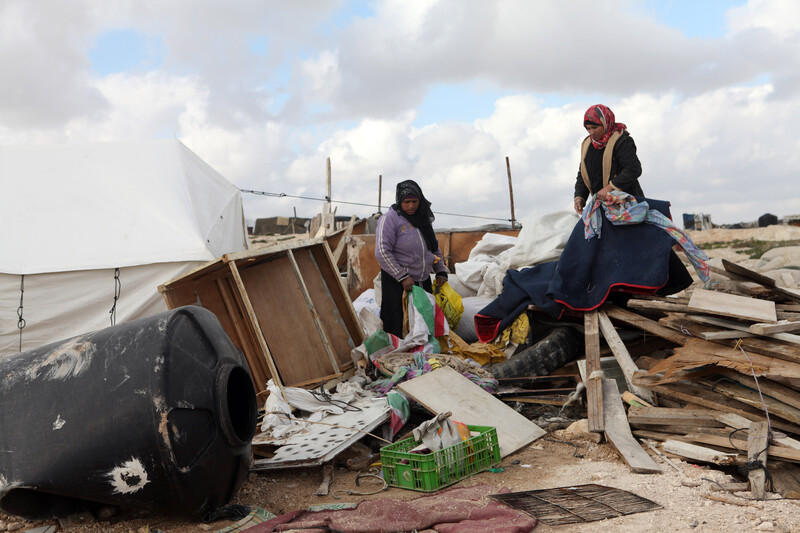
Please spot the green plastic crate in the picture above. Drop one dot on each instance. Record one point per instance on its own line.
(432, 471)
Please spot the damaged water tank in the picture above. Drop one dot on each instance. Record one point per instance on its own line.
(156, 414)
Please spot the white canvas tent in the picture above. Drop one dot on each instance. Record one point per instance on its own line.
(72, 214)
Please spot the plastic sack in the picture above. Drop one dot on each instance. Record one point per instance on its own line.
(449, 301)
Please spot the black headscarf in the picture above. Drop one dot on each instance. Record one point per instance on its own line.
(423, 218)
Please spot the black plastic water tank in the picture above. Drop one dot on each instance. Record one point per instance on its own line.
(156, 414)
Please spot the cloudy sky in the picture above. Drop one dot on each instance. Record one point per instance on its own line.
(441, 91)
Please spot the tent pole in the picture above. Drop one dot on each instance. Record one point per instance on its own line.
(511, 194)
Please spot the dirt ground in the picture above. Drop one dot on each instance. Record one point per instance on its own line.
(556, 460)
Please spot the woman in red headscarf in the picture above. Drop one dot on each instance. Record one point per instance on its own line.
(608, 158)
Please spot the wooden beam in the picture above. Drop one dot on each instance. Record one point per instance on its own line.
(762, 280)
(777, 452)
(618, 433)
(594, 373)
(781, 327)
(695, 452)
(763, 346)
(645, 324)
(665, 416)
(730, 324)
(622, 356)
(757, 452)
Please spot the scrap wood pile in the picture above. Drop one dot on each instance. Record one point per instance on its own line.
(730, 392)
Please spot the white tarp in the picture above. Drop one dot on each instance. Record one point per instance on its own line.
(71, 214)
(541, 239)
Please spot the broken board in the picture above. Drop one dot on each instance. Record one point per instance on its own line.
(720, 303)
(445, 389)
(323, 441)
(618, 433)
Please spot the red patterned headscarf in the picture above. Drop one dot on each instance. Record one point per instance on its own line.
(600, 114)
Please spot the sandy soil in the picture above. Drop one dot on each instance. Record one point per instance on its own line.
(543, 464)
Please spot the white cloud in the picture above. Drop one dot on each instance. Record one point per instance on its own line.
(713, 118)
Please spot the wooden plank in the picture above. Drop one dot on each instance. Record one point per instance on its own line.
(725, 335)
(658, 305)
(621, 354)
(782, 393)
(697, 353)
(253, 318)
(781, 326)
(757, 451)
(444, 389)
(699, 395)
(737, 422)
(752, 398)
(731, 305)
(762, 280)
(245, 338)
(330, 327)
(695, 452)
(786, 337)
(618, 433)
(734, 443)
(340, 296)
(746, 273)
(671, 416)
(593, 381)
(644, 324)
(758, 345)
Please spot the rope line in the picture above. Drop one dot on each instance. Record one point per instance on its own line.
(117, 291)
(284, 195)
(21, 321)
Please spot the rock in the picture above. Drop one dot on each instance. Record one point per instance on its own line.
(15, 526)
(361, 463)
(765, 526)
(580, 429)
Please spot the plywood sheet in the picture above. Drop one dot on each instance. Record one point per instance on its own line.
(445, 390)
(286, 321)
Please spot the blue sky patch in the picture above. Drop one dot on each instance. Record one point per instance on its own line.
(117, 51)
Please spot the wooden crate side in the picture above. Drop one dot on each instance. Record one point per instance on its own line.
(285, 320)
(336, 287)
(217, 294)
(329, 313)
(245, 336)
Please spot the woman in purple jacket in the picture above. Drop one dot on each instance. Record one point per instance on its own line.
(407, 250)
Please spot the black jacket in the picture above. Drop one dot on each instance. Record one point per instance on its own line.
(625, 168)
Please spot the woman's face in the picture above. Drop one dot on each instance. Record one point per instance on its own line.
(409, 206)
(595, 131)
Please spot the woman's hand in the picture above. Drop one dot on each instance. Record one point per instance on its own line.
(601, 194)
(580, 203)
(438, 281)
(407, 283)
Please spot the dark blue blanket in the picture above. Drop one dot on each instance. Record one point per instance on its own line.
(633, 258)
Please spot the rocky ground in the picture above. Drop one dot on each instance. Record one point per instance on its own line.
(561, 458)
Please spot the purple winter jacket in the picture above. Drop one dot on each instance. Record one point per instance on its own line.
(401, 251)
